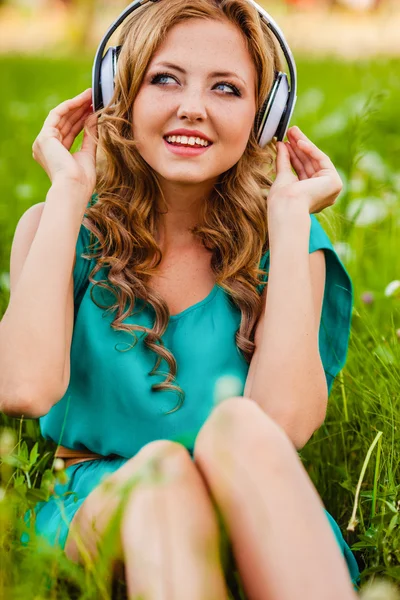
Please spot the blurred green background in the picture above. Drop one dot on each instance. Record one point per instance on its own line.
(348, 105)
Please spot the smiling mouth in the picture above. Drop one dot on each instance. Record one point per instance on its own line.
(187, 145)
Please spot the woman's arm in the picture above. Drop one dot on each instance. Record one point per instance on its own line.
(288, 380)
(286, 376)
(36, 329)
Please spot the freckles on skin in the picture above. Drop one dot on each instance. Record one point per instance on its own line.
(194, 100)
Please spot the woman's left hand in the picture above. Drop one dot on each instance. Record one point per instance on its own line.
(317, 183)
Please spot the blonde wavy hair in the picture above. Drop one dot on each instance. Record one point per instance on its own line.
(124, 219)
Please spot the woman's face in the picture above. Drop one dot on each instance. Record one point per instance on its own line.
(182, 89)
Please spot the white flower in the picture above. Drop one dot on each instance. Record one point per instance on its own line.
(393, 289)
(357, 183)
(368, 210)
(391, 199)
(331, 125)
(379, 590)
(356, 104)
(8, 440)
(373, 164)
(344, 251)
(58, 464)
(225, 387)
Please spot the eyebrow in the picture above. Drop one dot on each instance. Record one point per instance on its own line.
(214, 74)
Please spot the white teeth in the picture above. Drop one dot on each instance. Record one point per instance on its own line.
(183, 139)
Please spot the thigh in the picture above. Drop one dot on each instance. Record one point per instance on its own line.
(91, 521)
(251, 465)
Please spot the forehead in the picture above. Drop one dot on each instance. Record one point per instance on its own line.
(204, 45)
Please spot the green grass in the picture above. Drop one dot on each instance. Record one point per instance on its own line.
(351, 112)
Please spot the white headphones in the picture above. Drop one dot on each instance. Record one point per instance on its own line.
(274, 116)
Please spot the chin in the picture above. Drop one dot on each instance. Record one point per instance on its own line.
(185, 178)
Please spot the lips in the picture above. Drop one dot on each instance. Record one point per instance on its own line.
(186, 145)
(186, 149)
(189, 133)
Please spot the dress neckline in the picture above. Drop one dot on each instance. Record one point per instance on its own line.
(205, 300)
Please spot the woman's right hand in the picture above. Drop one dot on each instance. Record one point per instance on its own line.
(51, 147)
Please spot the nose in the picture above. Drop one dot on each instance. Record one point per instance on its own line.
(192, 106)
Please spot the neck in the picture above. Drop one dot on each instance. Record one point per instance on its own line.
(179, 211)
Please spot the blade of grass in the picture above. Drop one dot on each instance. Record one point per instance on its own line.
(353, 521)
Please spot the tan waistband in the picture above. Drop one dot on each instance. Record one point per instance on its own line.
(71, 456)
(64, 452)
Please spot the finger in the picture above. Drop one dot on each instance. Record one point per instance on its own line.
(69, 120)
(301, 155)
(322, 160)
(322, 189)
(296, 162)
(74, 118)
(56, 114)
(90, 136)
(283, 163)
(319, 157)
(75, 130)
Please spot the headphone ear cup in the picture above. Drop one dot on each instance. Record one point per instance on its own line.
(108, 70)
(273, 111)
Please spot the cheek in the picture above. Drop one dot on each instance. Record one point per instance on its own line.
(238, 127)
(147, 115)
(152, 107)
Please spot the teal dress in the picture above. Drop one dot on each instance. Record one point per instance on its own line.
(109, 407)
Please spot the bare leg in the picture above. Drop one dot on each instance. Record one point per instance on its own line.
(170, 534)
(283, 544)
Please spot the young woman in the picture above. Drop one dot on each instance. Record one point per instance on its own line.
(125, 342)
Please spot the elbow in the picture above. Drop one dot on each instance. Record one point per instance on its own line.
(18, 409)
(18, 412)
(300, 427)
(305, 424)
(302, 435)
(28, 405)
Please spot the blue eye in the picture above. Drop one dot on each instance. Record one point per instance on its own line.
(156, 79)
(233, 87)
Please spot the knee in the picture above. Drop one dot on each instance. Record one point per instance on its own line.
(239, 425)
(161, 460)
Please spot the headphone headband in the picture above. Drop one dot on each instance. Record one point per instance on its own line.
(273, 118)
